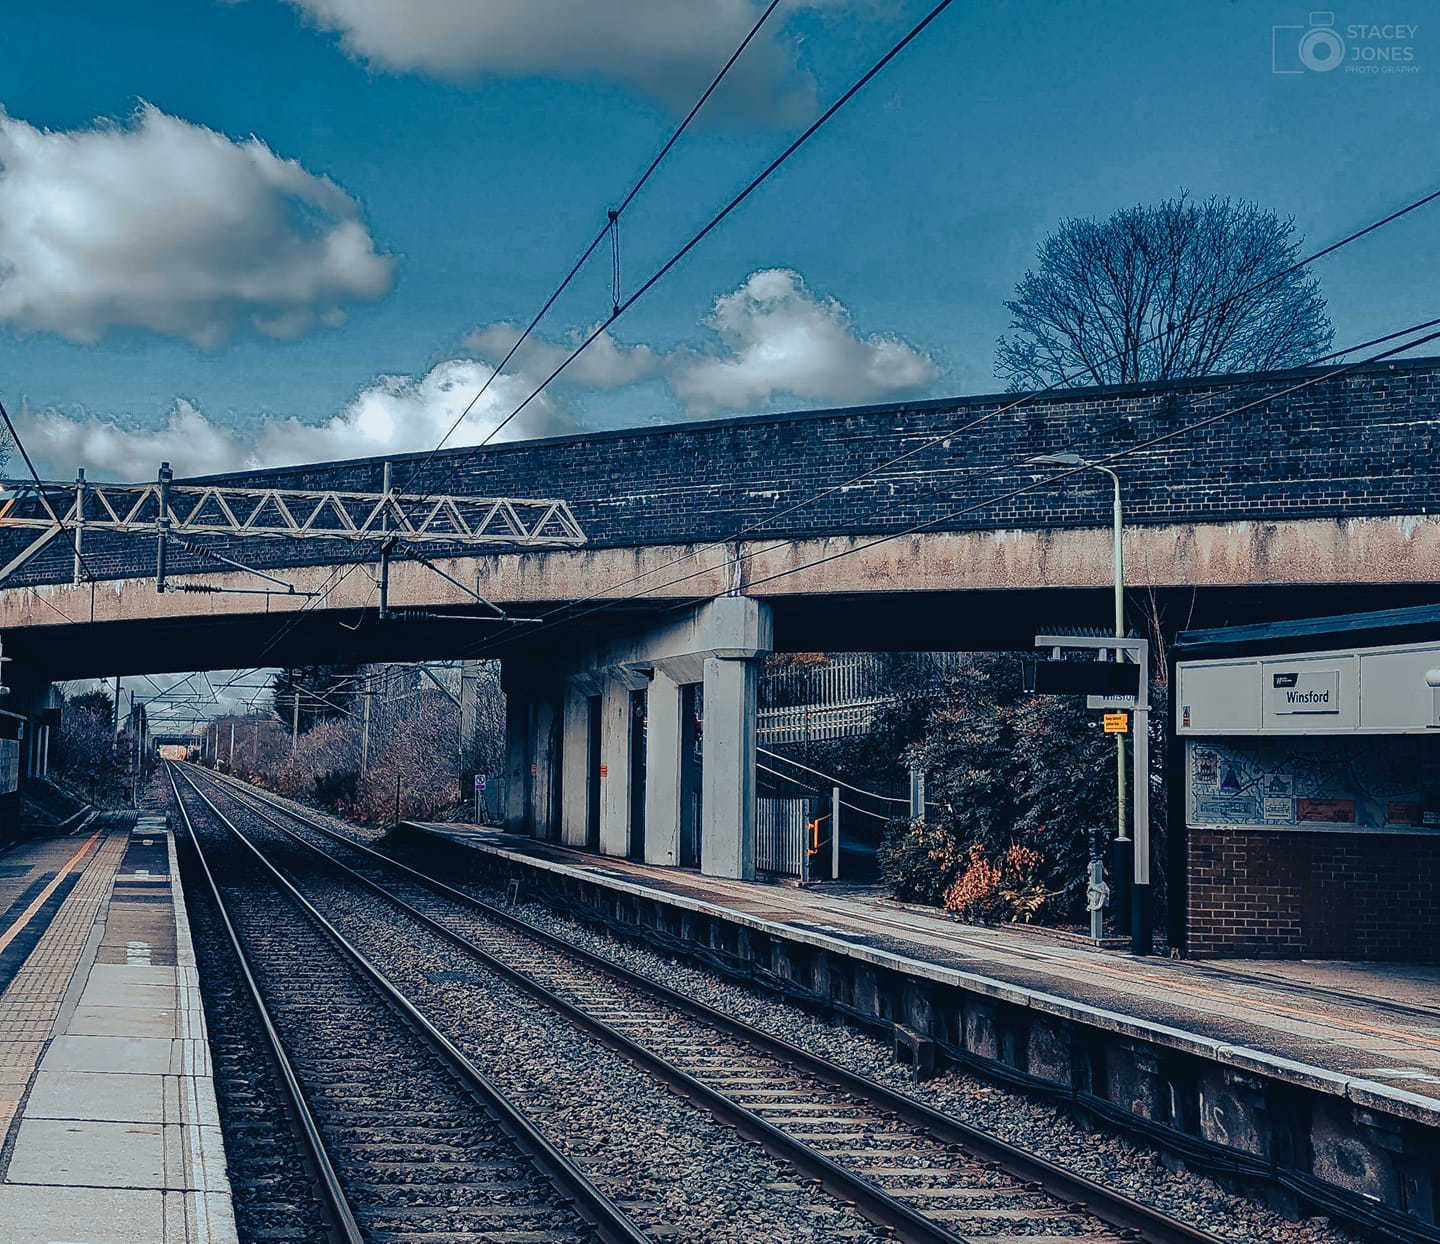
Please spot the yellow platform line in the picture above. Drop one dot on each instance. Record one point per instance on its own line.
(28, 914)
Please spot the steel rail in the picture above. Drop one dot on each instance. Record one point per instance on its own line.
(613, 1224)
(1113, 1208)
(324, 1168)
(872, 1202)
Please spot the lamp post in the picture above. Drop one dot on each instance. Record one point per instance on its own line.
(1123, 844)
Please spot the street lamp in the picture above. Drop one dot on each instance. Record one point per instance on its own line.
(1122, 839)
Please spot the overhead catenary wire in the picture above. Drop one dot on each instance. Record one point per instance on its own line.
(40, 488)
(1012, 466)
(706, 229)
(610, 228)
(1106, 459)
(464, 457)
(1031, 396)
(713, 223)
(940, 438)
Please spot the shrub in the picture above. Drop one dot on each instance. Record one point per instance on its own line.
(1010, 890)
(919, 861)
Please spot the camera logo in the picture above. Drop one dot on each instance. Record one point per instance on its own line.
(1316, 47)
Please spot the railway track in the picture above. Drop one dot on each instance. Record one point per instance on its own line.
(410, 1140)
(278, 1188)
(916, 1172)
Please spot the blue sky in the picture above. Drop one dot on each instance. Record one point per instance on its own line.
(471, 149)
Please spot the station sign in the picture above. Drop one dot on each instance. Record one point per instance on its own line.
(1304, 691)
(1112, 703)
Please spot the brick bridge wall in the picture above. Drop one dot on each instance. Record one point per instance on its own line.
(1359, 444)
(1290, 895)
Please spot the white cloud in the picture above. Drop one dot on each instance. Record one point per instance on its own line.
(669, 48)
(168, 226)
(604, 364)
(397, 414)
(777, 340)
(192, 444)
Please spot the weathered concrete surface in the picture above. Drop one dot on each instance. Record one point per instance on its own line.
(1302, 552)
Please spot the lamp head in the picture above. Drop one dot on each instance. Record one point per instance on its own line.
(1057, 460)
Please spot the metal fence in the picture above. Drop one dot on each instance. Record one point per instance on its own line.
(837, 697)
(836, 680)
(807, 723)
(781, 836)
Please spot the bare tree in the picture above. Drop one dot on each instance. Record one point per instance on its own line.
(1163, 292)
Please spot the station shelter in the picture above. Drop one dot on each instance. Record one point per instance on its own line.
(1310, 802)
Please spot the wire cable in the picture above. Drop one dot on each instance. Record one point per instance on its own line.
(462, 457)
(1047, 481)
(44, 498)
(1006, 408)
(610, 228)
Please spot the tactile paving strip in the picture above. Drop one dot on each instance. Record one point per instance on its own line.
(29, 1006)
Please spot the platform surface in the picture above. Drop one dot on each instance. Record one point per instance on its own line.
(107, 1109)
(1368, 1029)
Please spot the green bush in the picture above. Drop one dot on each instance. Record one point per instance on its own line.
(919, 861)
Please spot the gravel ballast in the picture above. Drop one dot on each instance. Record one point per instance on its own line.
(667, 1164)
(1133, 1169)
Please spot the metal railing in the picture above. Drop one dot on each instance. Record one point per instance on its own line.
(782, 829)
(808, 723)
(294, 513)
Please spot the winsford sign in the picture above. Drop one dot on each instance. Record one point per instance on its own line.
(1305, 691)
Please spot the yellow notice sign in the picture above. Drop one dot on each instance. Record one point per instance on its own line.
(1117, 723)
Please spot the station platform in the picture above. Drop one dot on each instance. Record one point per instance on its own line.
(1367, 1032)
(109, 1131)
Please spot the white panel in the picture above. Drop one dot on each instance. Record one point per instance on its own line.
(1218, 697)
(1393, 692)
(1381, 690)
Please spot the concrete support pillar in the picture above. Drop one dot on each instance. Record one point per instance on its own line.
(615, 768)
(517, 764)
(728, 837)
(469, 693)
(662, 771)
(575, 757)
(543, 759)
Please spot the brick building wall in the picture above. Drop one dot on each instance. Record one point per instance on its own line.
(1290, 895)
(1363, 443)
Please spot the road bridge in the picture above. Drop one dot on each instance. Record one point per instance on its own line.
(916, 525)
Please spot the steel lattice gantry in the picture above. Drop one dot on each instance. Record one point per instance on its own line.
(219, 510)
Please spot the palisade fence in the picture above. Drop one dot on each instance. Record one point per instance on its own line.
(836, 698)
(833, 699)
(782, 827)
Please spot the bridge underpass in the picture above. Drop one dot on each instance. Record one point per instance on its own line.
(716, 543)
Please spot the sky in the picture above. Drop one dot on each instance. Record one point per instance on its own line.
(266, 231)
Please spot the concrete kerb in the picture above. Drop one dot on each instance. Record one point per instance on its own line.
(1368, 1093)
